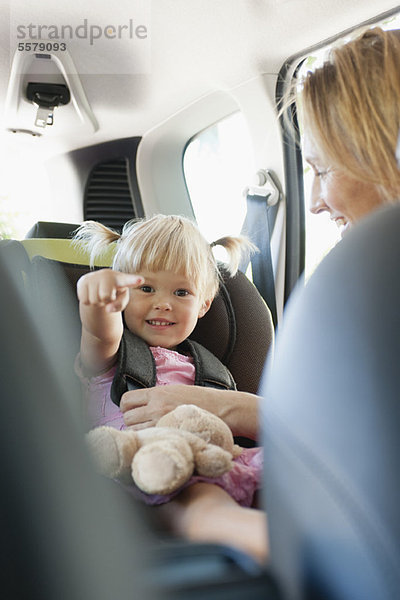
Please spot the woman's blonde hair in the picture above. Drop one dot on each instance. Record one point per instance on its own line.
(351, 108)
(165, 243)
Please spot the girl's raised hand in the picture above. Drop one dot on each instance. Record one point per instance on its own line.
(107, 288)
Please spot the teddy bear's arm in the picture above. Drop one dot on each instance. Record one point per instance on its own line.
(212, 461)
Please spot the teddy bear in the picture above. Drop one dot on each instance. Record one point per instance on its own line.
(161, 459)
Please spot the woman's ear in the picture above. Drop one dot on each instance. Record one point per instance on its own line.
(204, 308)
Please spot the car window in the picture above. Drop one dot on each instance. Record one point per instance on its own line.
(218, 165)
(23, 200)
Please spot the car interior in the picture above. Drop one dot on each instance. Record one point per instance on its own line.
(112, 113)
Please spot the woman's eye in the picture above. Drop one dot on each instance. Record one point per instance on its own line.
(146, 288)
(322, 172)
(181, 293)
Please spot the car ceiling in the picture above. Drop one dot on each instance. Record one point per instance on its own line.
(197, 47)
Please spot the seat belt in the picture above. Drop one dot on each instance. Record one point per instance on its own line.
(262, 207)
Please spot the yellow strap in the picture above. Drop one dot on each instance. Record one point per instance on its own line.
(65, 251)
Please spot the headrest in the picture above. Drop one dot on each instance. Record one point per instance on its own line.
(332, 420)
(54, 500)
(47, 229)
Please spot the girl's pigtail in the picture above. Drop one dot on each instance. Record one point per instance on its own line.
(238, 248)
(96, 238)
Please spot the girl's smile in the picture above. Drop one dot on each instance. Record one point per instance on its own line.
(160, 323)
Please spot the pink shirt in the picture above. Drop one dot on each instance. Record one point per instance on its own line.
(171, 367)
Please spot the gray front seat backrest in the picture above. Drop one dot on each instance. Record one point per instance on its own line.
(65, 533)
(332, 424)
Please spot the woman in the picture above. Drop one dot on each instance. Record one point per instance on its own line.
(351, 115)
(350, 108)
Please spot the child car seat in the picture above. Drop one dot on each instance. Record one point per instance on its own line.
(238, 328)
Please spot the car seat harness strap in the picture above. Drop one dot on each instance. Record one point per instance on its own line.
(136, 367)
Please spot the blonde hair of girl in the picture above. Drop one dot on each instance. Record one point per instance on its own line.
(350, 106)
(165, 243)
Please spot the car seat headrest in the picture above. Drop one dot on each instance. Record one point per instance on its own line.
(47, 229)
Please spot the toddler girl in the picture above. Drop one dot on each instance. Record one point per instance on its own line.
(137, 318)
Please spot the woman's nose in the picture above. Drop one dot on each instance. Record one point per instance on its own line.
(317, 203)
